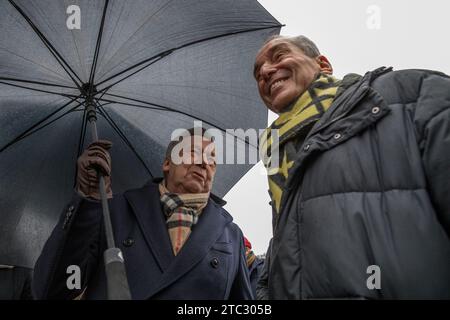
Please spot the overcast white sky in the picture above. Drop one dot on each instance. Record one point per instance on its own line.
(356, 36)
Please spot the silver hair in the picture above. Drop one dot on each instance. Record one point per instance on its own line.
(301, 42)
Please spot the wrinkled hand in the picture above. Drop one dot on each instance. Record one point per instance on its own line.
(94, 159)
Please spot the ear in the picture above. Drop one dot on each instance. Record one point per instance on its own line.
(166, 166)
(324, 64)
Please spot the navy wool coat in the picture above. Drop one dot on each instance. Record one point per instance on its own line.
(211, 264)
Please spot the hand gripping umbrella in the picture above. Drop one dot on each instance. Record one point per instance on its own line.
(134, 70)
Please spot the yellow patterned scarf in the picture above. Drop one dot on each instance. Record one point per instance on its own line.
(291, 128)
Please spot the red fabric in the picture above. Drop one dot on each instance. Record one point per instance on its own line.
(247, 243)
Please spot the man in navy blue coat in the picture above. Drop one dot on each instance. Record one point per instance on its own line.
(177, 240)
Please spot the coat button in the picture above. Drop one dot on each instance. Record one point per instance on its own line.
(375, 110)
(215, 263)
(337, 136)
(128, 242)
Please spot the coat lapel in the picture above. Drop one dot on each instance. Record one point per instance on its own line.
(145, 203)
(209, 228)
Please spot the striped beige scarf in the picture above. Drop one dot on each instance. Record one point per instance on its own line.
(182, 212)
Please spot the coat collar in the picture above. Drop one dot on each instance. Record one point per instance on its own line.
(356, 89)
(345, 116)
(145, 203)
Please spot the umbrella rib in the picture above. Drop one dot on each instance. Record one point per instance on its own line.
(49, 123)
(113, 124)
(151, 61)
(138, 29)
(122, 136)
(167, 52)
(80, 142)
(164, 108)
(48, 45)
(37, 82)
(103, 93)
(82, 133)
(130, 104)
(97, 48)
(29, 131)
(41, 90)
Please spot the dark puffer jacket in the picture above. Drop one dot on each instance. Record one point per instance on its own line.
(371, 187)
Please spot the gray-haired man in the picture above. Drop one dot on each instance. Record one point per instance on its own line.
(360, 199)
(177, 240)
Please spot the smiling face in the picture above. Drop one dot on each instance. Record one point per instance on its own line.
(196, 172)
(283, 72)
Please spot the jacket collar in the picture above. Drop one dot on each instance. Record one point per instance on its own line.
(145, 203)
(355, 89)
(346, 117)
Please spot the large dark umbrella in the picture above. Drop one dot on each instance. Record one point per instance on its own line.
(146, 67)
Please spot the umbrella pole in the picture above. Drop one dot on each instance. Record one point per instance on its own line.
(116, 277)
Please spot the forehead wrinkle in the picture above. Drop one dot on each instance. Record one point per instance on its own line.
(274, 47)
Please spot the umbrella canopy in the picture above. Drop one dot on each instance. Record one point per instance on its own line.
(150, 66)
